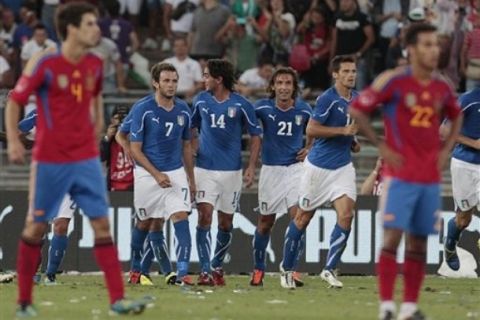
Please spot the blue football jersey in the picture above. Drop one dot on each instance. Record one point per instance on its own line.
(282, 130)
(28, 122)
(221, 127)
(331, 110)
(470, 104)
(161, 131)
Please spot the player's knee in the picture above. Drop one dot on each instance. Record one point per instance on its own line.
(34, 231)
(145, 225)
(265, 224)
(346, 217)
(204, 220)
(463, 220)
(302, 219)
(60, 227)
(225, 225)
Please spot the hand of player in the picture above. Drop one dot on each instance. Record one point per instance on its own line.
(302, 154)
(442, 159)
(355, 147)
(193, 190)
(390, 157)
(350, 130)
(16, 151)
(249, 176)
(476, 145)
(163, 180)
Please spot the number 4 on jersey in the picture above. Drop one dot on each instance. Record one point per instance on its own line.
(218, 123)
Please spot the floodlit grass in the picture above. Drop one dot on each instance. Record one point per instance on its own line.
(84, 297)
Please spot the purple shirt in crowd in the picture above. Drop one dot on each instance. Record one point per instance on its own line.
(119, 31)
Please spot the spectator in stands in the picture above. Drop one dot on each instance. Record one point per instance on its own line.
(316, 37)
(24, 31)
(190, 80)
(154, 9)
(119, 30)
(178, 17)
(132, 9)
(277, 32)
(37, 43)
(113, 74)
(7, 31)
(244, 45)
(253, 82)
(470, 57)
(353, 34)
(6, 73)
(118, 163)
(48, 14)
(245, 9)
(211, 22)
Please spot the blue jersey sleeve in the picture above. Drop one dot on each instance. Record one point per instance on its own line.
(28, 123)
(137, 127)
(323, 105)
(127, 122)
(196, 119)
(250, 119)
(186, 134)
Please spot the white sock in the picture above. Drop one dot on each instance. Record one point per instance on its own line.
(386, 306)
(407, 309)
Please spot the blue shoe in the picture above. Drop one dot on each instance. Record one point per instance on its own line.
(127, 306)
(37, 278)
(26, 311)
(451, 258)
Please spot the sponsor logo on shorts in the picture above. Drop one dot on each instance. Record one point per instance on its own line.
(142, 212)
(305, 202)
(200, 194)
(388, 217)
(264, 206)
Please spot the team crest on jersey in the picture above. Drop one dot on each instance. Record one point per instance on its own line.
(62, 81)
(90, 81)
(298, 119)
(180, 120)
(410, 100)
(232, 111)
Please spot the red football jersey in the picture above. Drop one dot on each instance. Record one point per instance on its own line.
(64, 92)
(412, 114)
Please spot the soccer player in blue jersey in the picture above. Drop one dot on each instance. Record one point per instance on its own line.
(160, 145)
(284, 119)
(329, 175)
(142, 259)
(220, 115)
(465, 170)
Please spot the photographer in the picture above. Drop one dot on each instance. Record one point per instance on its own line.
(118, 163)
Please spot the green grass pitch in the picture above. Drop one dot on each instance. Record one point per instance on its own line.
(85, 298)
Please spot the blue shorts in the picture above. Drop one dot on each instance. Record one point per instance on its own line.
(412, 207)
(83, 180)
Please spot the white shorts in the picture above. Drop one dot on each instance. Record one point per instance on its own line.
(319, 185)
(130, 6)
(67, 208)
(153, 201)
(278, 188)
(465, 184)
(221, 189)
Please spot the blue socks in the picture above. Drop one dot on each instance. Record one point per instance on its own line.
(138, 238)
(204, 241)
(260, 243)
(58, 245)
(338, 242)
(183, 247)
(453, 234)
(301, 248)
(147, 258)
(159, 250)
(224, 240)
(293, 240)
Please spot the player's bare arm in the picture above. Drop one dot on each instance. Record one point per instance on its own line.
(255, 146)
(97, 111)
(188, 165)
(194, 141)
(450, 140)
(122, 140)
(162, 179)
(316, 130)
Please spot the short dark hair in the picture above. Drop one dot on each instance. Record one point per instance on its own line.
(222, 68)
(158, 68)
(71, 14)
(279, 71)
(113, 8)
(40, 26)
(411, 36)
(338, 60)
(180, 38)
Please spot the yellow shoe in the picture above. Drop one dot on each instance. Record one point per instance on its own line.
(145, 280)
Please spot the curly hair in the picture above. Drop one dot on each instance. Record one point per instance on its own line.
(224, 69)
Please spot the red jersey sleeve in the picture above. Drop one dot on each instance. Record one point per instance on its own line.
(372, 97)
(452, 108)
(27, 84)
(99, 79)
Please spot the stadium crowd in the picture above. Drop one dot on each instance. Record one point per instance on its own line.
(255, 35)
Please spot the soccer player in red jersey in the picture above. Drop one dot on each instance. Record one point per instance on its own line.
(67, 84)
(415, 99)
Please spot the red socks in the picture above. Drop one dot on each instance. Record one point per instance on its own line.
(107, 259)
(413, 274)
(27, 264)
(387, 273)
